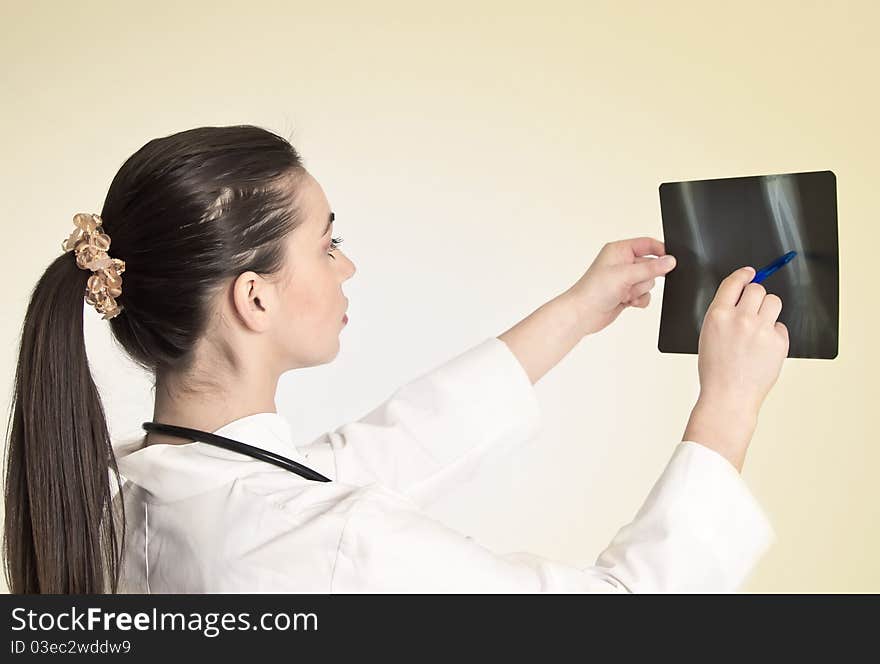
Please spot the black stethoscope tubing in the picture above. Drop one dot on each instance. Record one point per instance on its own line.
(236, 446)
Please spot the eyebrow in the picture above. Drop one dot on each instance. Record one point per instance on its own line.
(329, 221)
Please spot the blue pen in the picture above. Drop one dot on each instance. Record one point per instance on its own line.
(767, 270)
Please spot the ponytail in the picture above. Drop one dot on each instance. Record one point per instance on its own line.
(59, 535)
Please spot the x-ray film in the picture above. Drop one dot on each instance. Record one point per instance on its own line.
(713, 227)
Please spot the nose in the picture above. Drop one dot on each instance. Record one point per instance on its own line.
(352, 268)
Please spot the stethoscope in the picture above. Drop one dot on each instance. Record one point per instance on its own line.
(235, 446)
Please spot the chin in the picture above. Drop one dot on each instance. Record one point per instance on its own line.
(316, 357)
(334, 351)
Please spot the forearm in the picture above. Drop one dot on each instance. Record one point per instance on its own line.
(724, 426)
(543, 338)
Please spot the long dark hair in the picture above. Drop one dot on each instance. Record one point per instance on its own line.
(186, 213)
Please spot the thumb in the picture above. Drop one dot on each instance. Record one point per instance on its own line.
(649, 269)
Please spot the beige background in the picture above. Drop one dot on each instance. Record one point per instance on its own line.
(477, 157)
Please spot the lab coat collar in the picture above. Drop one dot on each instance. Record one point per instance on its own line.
(171, 471)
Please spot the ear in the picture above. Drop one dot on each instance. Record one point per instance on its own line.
(253, 299)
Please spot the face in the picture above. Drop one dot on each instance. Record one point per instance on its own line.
(309, 302)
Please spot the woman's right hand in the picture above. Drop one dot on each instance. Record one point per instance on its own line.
(741, 345)
(741, 350)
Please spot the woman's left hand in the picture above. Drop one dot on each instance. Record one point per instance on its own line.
(621, 276)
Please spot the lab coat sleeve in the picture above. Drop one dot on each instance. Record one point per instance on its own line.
(434, 432)
(700, 530)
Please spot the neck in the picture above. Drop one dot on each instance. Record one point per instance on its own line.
(209, 408)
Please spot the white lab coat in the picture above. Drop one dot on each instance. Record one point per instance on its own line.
(203, 519)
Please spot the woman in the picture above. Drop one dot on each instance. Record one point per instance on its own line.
(231, 277)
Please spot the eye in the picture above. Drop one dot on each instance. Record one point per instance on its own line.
(335, 242)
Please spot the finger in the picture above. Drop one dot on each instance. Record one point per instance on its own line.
(732, 286)
(752, 297)
(649, 269)
(770, 308)
(780, 327)
(641, 302)
(643, 246)
(620, 307)
(640, 289)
